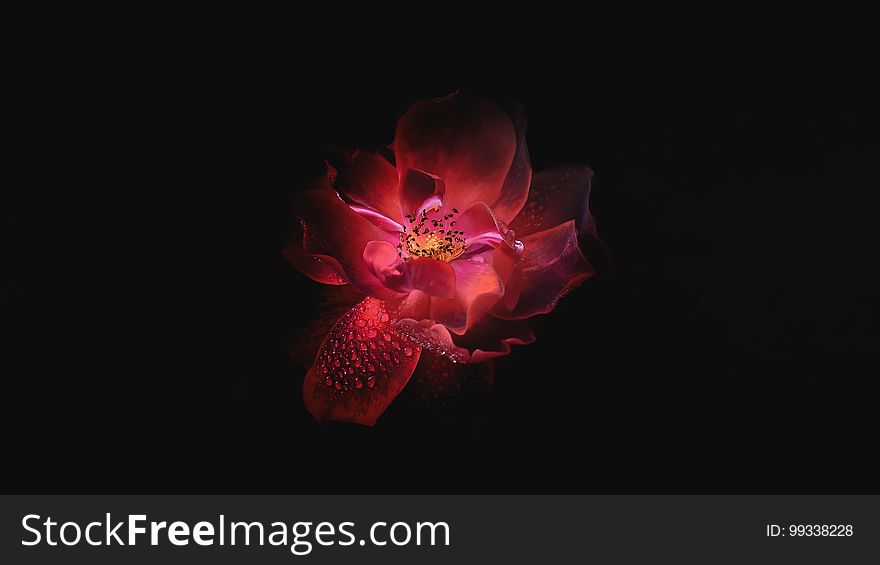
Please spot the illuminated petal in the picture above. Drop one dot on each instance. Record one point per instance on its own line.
(468, 142)
(333, 229)
(419, 191)
(477, 289)
(361, 367)
(435, 278)
(371, 181)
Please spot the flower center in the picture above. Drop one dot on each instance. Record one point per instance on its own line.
(431, 235)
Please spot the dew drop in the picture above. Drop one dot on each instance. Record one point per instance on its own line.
(328, 381)
(371, 333)
(358, 383)
(407, 351)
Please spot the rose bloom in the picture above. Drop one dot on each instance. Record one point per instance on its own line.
(451, 241)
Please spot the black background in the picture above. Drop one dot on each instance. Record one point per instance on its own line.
(731, 348)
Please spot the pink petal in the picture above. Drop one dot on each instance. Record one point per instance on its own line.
(380, 221)
(371, 181)
(435, 278)
(333, 229)
(552, 264)
(477, 289)
(491, 337)
(361, 367)
(515, 189)
(480, 227)
(468, 142)
(385, 264)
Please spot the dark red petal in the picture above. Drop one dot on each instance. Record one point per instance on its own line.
(557, 195)
(477, 289)
(492, 337)
(515, 190)
(371, 181)
(437, 380)
(552, 264)
(361, 367)
(321, 268)
(302, 345)
(468, 142)
(333, 229)
(418, 191)
(509, 268)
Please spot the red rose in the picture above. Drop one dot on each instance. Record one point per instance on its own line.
(451, 246)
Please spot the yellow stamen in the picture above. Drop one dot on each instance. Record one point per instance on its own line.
(432, 235)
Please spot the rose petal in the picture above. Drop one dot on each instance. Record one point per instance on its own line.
(384, 262)
(333, 229)
(515, 190)
(419, 191)
(435, 278)
(557, 195)
(377, 219)
(477, 289)
(361, 367)
(480, 227)
(468, 142)
(492, 337)
(415, 304)
(321, 268)
(371, 181)
(432, 337)
(302, 345)
(437, 380)
(551, 265)
(509, 268)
